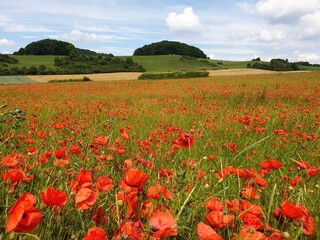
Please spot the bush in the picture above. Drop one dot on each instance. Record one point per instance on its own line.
(84, 79)
(174, 75)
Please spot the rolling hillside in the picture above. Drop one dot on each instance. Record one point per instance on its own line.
(163, 63)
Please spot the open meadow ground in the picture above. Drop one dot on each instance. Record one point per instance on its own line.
(224, 157)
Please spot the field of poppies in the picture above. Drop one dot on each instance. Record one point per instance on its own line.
(219, 158)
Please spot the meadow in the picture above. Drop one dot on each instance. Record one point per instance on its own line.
(226, 157)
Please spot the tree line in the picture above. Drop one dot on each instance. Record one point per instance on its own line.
(274, 65)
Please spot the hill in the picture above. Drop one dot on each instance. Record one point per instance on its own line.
(47, 47)
(169, 47)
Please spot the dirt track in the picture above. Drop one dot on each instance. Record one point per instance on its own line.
(135, 75)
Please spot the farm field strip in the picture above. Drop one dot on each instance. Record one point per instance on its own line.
(135, 75)
(15, 80)
(225, 157)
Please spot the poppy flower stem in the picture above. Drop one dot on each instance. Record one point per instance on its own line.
(30, 235)
(271, 201)
(6, 140)
(184, 204)
(247, 148)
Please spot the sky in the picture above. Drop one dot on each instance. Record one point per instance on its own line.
(223, 29)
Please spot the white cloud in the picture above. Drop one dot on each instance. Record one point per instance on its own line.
(286, 11)
(309, 57)
(183, 22)
(311, 24)
(78, 36)
(6, 42)
(265, 35)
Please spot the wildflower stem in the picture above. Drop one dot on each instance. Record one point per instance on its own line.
(185, 202)
(251, 146)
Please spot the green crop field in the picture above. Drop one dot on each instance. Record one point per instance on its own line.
(171, 63)
(14, 79)
(32, 60)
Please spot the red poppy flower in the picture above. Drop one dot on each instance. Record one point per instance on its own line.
(95, 233)
(246, 206)
(249, 191)
(83, 176)
(166, 172)
(50, 197)
(309, 226)
(58, 126)
(153, 193)
(12, 160)
(233, 146)
(23, 216)
(41, 134)
(218, 219)
(291, 211)
(124, 134)
(59, 153)
(135, 178)
(248, 234)
(104, 184)
(32, 150)
(15, 176)
(86, 197)
(186, 140)
(75, 149)
(302, 164)
(261, 181)
(163, 224)
(61, 162)
(99, 216)
(205, 232)
(251, 221)
(233, 206)
(214, 205)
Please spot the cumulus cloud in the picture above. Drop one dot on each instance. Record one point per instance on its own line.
(309, 57)
(311, 24)
(187, 21)
(265, 35)
(286, 11)
(6, 42)
(78, 36)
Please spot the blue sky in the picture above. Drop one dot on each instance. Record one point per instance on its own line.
(223, 29)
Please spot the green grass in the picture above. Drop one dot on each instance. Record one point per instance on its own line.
(176, 63)
(232, 64)
(309, 68)
(32, 60)
(14, 79)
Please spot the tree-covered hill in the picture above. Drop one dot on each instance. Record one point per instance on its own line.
(47, 47)
(169, 47)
